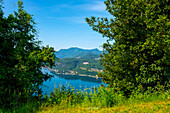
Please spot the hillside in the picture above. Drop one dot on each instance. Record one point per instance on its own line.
(77, 52)
(78, 61)
(78, 66)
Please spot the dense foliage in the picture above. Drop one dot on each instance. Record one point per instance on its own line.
(138, 52)
(21, 58)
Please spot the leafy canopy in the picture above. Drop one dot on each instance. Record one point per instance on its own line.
(21, 57)
(137, 50)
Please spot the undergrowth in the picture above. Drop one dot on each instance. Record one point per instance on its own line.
(97, 99)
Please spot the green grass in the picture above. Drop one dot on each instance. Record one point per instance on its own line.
(104, 100)
(144, 107)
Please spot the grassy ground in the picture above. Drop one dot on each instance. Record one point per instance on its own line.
(144, 107)
(105, 100)
(137, 103)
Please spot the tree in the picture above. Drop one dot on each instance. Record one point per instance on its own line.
(21, 58)
(137, 50)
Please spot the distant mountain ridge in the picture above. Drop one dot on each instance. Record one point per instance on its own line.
(74, 52)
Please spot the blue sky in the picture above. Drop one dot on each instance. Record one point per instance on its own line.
(61, 23)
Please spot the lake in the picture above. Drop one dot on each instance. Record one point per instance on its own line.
(76, 81)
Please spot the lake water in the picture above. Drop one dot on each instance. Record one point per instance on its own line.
(76, 81)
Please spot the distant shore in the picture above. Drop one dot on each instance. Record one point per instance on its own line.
(78, 75)
(71, 73)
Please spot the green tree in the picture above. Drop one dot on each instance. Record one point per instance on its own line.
(21, 58)
(137, 52)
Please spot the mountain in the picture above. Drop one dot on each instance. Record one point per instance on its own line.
(74, 52)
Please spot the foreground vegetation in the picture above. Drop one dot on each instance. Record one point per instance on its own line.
(136, 62)
(101, 100)
(105, 100)
(21, 57)
(145, 107)
(137, 49)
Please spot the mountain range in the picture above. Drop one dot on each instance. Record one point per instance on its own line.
(74, 52)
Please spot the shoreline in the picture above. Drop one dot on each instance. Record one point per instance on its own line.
(77, 74)
(72, 74)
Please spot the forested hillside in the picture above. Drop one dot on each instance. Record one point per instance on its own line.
(88, 64)
(78, 61)
(74, 52)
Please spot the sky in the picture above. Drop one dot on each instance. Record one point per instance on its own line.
(61, 23)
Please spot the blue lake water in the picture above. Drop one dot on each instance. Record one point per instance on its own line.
(76, 81)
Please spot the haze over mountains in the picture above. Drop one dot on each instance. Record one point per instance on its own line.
(74, 52)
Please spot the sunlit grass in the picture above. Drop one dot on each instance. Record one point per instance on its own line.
(105, 100)
(100, 100)
(144, 107)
